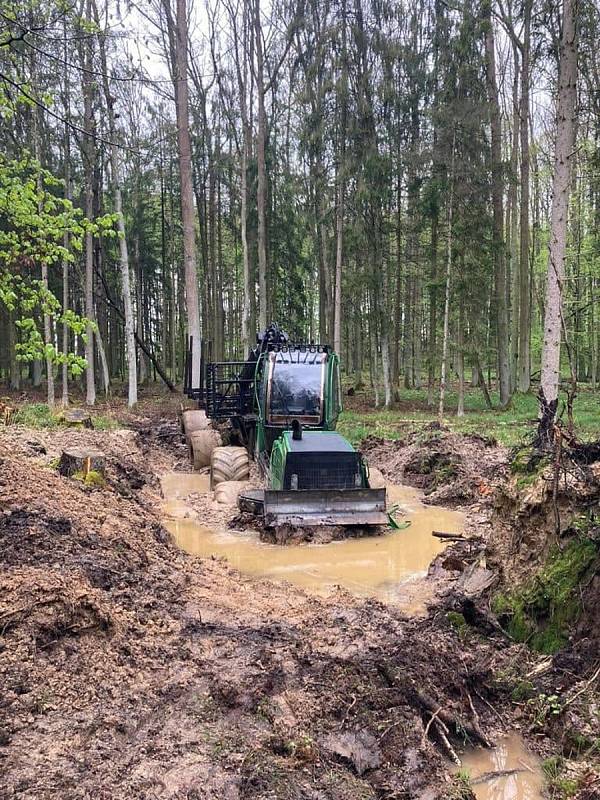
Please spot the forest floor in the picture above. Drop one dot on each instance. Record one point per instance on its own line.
(131, 669)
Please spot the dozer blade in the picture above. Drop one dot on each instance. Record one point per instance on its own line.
(307, 507)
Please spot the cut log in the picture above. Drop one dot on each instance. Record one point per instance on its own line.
(79, 460)
(76, 418)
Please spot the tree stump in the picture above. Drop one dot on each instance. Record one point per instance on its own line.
(81, 462)
(76, 418)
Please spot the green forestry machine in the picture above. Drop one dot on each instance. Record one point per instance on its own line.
(282, 405)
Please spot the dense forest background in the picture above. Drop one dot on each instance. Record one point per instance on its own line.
(375, 175)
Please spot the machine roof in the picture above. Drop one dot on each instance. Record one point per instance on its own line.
(319, 442)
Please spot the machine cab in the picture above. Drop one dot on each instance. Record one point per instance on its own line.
(302, 384)
(296, 388)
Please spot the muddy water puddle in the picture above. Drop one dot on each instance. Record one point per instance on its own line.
(508, 771)
(377, 566)
(177, 486)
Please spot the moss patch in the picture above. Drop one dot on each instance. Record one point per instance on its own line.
(527, 465)
(543, 611)
(93, 478)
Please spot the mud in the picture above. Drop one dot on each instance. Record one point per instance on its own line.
(131, 669)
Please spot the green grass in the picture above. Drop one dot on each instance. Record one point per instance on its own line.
(39, 415)
(509, 427)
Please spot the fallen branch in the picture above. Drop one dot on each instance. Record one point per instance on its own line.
(444, 739)
(594, 677)
(453, 537)
(428, 726)
(448, 720)
(493, 776)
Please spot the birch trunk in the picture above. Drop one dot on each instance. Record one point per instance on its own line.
(89, 157)
(563, 155)
(123, 254)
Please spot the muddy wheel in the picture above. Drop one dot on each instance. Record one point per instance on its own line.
(229, 464)
(194, 420)
(227, 492)
(202, 444)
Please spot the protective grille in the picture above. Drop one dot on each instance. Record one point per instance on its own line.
(322, 470)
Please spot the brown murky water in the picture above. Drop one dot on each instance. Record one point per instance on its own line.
(378, 565)
(508, 771)
(176, 486)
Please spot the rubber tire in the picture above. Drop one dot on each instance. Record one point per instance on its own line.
(227, 492)
(202, 444)
(193, 420)
(229, 464)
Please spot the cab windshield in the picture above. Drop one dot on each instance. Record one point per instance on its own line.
(296, 390)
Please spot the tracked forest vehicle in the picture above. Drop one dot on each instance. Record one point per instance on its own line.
(282, 405)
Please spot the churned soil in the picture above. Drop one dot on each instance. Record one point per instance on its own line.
(452, 469)
(130, 669)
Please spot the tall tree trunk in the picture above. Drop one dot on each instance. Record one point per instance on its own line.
(446, 335)
(15, 364)
(185, 175)
(563, 155)
(118, 202)
(47, 322)
(499, 249)
(461, 359)
(89, 157)
(261, 193)
(432, 343)
(524, 368)
(248, 321)
(512, 227)
(339, 254)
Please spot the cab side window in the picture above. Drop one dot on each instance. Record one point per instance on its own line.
(336, 393)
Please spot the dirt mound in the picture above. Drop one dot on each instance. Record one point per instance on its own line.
(452, 469)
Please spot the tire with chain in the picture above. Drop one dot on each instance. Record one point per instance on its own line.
(229, 464)
(202, 444)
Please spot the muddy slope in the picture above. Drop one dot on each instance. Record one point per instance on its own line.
(452, 469)
(131, 670)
